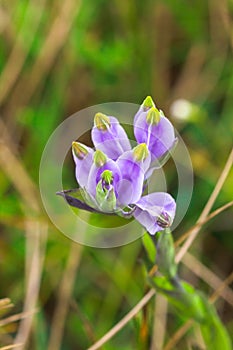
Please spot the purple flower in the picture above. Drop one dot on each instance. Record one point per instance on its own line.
(155, 211)
(113, 177)
(109, 183)
(83, 158)
(133, 165)
(109, 136)
(154, 129)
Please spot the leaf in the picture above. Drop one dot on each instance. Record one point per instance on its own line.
(149, 246)
(214, 332)
(190, 303)
(75, 199)
(166, 253)
(186, 300)
(215, 335)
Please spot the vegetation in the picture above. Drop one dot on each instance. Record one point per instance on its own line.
(58, 58)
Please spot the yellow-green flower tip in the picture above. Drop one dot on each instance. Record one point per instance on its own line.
(107, 176)
(99, 158)
(140, 152)
(79, 150)
(102, 121)
(148, 103)
(153, 116)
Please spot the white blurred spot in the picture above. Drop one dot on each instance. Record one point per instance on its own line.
(181, 109)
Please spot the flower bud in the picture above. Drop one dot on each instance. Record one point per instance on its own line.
(101, 121)
(140, 152)
(99, 158)
(153, 116)
(148, 103)
(105, 197)
(165, 257)
(107, 179)
(80, 150)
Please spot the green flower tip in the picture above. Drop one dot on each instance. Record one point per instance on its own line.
(148, 103)
(153, 116)
(140, 152)
(107, 177)
(79, 150)
(99, 158)
(101, 121)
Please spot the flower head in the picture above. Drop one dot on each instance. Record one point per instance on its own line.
(153, 128)
(112, 178)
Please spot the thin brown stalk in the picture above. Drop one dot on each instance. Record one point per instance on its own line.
(16, 317)
(181, 239)
(219, 290)
(178, 335)
(36, 230)
(207, 207)
(196, 78)
(160, 320)
(208, 276)
(55, 40)
(5, 303)
(8, 306)
(18, 54)
(13, 346)
(89, 330)
(11, 165)
(35, 247)
(64, 296)
(133, 312)
(188, 83)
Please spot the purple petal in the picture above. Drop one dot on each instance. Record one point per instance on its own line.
(113, 141)
(141, 110)
(155, 211)
(159, 138)
(94, 175)
(83, 166)
(130, 187)
(159, 163)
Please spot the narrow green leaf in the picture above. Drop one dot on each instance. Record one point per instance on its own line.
(149, 247)
(166, 253)
(214, 332)
(190, 303)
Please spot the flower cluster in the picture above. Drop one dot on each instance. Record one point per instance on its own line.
(112, 177)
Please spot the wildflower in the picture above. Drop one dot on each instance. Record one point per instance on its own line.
(83, 157)
(153, 128)
(109, 136)
(112, 178)
(110, 184)
(155, 211)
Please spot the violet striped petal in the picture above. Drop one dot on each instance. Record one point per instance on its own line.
(83, 158)
(155, 211)
(111, 139)
(159, 137)
(130, 187)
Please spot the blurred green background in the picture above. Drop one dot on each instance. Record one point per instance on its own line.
(58, 57)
